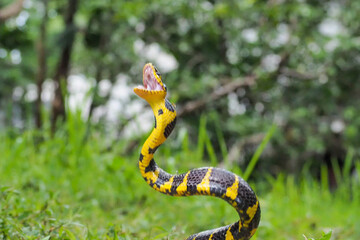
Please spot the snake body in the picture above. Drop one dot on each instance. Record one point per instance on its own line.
(209, 181)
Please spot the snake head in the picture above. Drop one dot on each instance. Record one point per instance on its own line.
(153, 89)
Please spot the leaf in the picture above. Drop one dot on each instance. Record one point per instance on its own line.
(325, 236)
(70, 234)
(258, 152)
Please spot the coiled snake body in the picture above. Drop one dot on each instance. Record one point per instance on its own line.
(208, 181)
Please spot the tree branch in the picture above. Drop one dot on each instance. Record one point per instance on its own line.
(11, 10)
(217, 93)
(295, 74)
(42, 64)
(62, 71)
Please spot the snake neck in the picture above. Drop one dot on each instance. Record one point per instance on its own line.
(165, 120)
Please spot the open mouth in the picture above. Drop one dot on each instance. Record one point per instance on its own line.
(150, 81)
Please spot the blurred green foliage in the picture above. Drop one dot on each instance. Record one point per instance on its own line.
(303, 54)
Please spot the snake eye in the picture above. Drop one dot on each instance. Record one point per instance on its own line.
(157, 72)
(165, 87)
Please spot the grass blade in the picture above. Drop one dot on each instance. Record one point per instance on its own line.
(259, 150)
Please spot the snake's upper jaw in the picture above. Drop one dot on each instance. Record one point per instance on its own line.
(153, 88)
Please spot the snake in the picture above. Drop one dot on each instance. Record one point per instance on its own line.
(207, 181)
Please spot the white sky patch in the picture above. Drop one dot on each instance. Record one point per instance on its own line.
(104, 87)
(135, 107)
(250, 35)
(142, 123)
(98, 113)
(332, 45)
(283, 35)
(3, 53)
(79, 87)
(270, 62)
(334, 9)
(140, 27)
(259, 107)
(153, 52)
(337, 126)
(331, 27)
(48, 88)
(31, 93)
(121, 90)
(314, 47)
(17, 94)
(117, 110)
(113, 110)
(166, 62)
(232, 55)
(138, 45)
(283, 80)
(28, 3)
(207, 6)
(183, 25)
(294, 40)
(279, 119)
(234, 106)
(52, 13)
(22, 18)
(119, 98)
(256, 52)
(15, 56)
(122, 106)
(323, 78)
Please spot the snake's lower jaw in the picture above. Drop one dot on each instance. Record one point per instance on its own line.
(151, 96)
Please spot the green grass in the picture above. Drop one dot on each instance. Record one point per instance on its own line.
(65, 187)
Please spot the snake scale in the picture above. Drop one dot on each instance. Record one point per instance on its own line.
(209, 181)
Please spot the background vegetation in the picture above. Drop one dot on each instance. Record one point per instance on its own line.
(238, 71)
